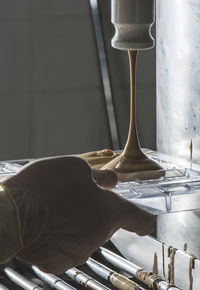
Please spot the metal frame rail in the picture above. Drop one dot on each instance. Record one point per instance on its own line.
(111, 115)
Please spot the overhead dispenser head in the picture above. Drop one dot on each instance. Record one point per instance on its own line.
(132, 20)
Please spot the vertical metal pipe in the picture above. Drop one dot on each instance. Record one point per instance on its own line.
(111, 115)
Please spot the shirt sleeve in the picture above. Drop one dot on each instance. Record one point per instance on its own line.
(10, 227)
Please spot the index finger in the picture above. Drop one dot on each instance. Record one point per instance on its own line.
(105, 178)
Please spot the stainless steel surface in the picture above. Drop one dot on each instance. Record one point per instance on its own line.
(178, 104)
(52, 280)
(179, 230)
(85, 280)
(20, 280)
(129, 267)
(178, 82)
(105, 75)
(142, 251)
(132, 20)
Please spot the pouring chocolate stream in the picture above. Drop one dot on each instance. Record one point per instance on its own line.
(132, 163)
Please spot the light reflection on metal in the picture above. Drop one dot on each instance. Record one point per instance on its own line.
(20, 280)
(178, 105)
(85, 280)
(105, 75)
(52, 280)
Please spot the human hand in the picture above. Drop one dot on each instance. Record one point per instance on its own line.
(65, 216)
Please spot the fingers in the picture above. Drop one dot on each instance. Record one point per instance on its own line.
(105, 178)
(138, 220)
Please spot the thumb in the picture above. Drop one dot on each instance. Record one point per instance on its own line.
(105, 178)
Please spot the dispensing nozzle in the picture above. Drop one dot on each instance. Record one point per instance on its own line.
(132, 20)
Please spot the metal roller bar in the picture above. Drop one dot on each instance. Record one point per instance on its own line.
(152, 280)
(105, 75)
(117, 280)
(20, 280)
(85, 280)
(120, 262)
(52, 280)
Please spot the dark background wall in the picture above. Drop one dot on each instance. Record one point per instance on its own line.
(51, 97)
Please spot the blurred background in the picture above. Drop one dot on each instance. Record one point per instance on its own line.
(51, 94)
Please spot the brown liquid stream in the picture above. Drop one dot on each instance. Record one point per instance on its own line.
(155, 264)
(171, 255)
(191, 267)
(132, 163)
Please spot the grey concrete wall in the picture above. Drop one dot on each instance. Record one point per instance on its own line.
(51, 98)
